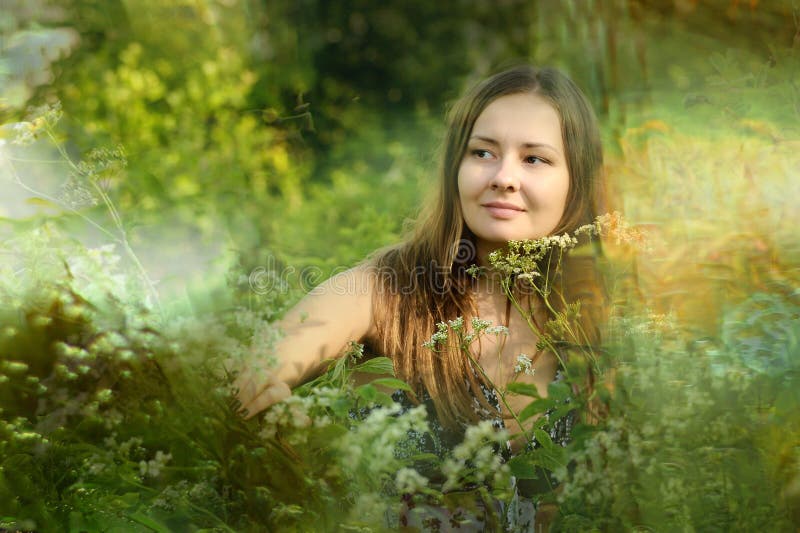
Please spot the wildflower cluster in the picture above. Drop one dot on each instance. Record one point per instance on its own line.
(477, 458)
(369, 449)
(410, 481)
(40, 119)
(615, 226)
(676, 416)
(86, 185)
(100, 164)
(369, 457)
(154, 466)
(513, 262)
(460, 334)
(115, 396)
(524, 365)
(291, 417)
(525, 259)
(76, 195)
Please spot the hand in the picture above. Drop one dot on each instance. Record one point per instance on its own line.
(257, 389)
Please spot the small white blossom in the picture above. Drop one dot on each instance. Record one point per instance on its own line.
(476, 458)
(497, 330)
(457, 324)
(409, 481)
(153, 467)
(479, 324)
(524, 365)
(370, 446)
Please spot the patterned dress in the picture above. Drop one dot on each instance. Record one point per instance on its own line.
(518, 516)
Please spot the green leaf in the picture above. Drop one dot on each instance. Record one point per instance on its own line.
(525, 389)
(376, 365)
(149, 522)
(341, 407)
(392, 383)
(558, 391)
(129, 498)
(367, 392)
(338, 370)
(383, 399)
(543, 439)
(561, 411)
(522, 467)
(534, 408)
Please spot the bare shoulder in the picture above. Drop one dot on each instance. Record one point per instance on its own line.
(315, 331)
(322, 324)
(354, 284)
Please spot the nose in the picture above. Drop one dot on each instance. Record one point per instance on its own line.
(507, 176)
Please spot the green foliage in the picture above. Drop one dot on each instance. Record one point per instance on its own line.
(685, 444)
(115, 416)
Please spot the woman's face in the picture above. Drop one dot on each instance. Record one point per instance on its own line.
(513, 180)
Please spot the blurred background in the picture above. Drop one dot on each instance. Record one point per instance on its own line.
(301, 134)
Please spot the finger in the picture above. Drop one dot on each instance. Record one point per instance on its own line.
(271, 395)
(243, 386)
(252, 381)
(249, 383)
(267, 397)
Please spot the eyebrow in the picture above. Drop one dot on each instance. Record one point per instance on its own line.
(524, 145)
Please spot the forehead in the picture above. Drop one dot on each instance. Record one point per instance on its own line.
(520, 118)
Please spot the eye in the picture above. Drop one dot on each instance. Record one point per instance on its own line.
(480, 153)
(535, 159)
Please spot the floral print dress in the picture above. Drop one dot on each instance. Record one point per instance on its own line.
(517, 516)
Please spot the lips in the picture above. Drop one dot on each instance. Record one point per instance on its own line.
(503, 205)
(502, 210)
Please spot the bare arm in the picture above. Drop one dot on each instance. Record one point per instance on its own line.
(317, 329)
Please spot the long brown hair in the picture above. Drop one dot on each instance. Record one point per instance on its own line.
(423, 280)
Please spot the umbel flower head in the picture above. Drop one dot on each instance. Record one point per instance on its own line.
(523, 259)
(461, 334)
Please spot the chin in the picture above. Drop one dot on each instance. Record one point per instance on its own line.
(502, 239)
(495, 242)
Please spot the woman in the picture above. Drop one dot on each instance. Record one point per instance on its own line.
(522, 159)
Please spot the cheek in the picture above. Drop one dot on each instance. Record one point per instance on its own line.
(560, 202)
(563, 194)
(468, 182)
(554, 194)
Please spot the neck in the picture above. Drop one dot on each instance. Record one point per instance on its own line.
(484, 249)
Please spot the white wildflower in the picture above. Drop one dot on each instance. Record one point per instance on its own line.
(96, 468)
(370, 447)
(153, 467)
(524, 365)
(24, 133)
(476, 458)
(497, 330)
(132, 443)
(479, 324)
(457, 324)
(439, 337)
(409, 481)
(291, 413)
